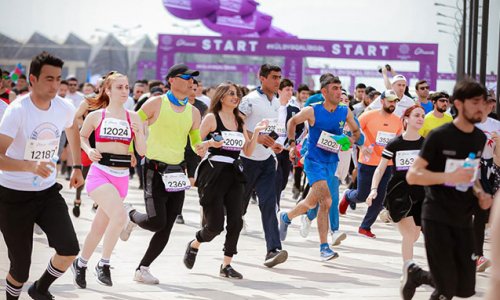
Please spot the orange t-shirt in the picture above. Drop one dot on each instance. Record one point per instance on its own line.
(378, 130)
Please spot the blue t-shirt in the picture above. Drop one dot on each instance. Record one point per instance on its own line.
(428, 107)
(331, 122)
(314, 99)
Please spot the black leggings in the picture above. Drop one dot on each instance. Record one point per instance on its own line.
(162, 208)
(230, 192)
(480, 220)
(297, 177)
(282, 173)
(85, 171)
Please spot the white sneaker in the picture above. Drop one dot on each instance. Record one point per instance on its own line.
(144, 276)
(384, 216)
(338, 237)
(127, 230)
(37, 229)
(305, 226)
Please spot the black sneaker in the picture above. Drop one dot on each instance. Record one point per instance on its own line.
(103, 275)
(179, 219)
(410, 281)
(79, 274)
(94, 208)
(229, 272)
(190, 256)
(276, 257)
(35, 294)
(76, 209)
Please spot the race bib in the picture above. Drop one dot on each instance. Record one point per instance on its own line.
(176, 182)
(41, 150)
(327, 142)
(233, 140)
(453, 164)
(404, 159)
(384, 137)
(115, 129)
(274, 126)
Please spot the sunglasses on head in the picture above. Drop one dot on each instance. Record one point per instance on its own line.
(185, 76)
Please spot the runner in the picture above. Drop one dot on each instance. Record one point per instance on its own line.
(171, 119)
(379, 127)
(220, 178)
(29, 138)
(326, 123)
(403, 201)
(438, 116)
(107, 183)
(447, 210)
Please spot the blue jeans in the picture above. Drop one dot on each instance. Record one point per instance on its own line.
(365, 175)
(261, 176)
(333, 186)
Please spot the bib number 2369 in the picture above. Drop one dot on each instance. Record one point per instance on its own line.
(176, 182)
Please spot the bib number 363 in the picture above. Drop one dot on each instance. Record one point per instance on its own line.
(176, 182)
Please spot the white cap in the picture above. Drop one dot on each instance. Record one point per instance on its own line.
(398, 77)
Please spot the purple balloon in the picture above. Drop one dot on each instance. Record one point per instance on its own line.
(237, 7)
(191, 9)
(237, 25)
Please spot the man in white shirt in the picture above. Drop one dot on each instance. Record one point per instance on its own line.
(398, 85)
(73, 94)
(200, 96)
(260, 168)
(29, 137)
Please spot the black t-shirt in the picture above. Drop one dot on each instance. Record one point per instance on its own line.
(290, 112)
(202, 107)
(443, 203)
(403, 153)
(233, 146)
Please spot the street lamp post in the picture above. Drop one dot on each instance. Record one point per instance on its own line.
(484, 42)
(474, 34)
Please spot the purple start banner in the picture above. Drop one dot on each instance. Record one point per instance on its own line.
(295, 50)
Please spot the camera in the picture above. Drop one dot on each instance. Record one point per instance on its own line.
(388, 67)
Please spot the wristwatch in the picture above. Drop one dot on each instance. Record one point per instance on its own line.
(79, 167)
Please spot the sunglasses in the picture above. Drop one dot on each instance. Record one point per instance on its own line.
(423, 88)
(444, 100)
(6, 77)
(185, 76)
(72, 84)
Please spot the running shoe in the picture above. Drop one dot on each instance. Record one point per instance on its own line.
(35, 294)
(79, 275)
(343, 203)
(94, 208)
(482, 263)
(76, 209)
(409, 283)
(276, 257)
(338, 237)
(179, 219)
(229, 272)
(283, 226)
(384, 216)
(103, 275)
(366, 232)
(327, 254)
(143, 275)
(190, 256)
(305, 226)
(127, 230)
(295, 193)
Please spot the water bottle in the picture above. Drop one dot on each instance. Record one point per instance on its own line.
(468, 163)
(37, 179)
(366, 158)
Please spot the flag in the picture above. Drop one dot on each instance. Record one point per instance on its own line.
(14, 75)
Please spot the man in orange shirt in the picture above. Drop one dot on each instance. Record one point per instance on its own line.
(379, 127)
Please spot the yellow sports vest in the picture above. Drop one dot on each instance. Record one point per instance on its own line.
(168, 135)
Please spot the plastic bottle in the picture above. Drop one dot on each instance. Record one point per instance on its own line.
(366, 157)
(468, 163)
(37, 179)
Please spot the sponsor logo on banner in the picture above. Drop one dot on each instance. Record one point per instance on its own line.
(420, 51)
(184, 43)
(404, 49)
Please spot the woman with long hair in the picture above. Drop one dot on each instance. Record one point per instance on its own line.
(107, 181)
(404, 201)
(220, 179)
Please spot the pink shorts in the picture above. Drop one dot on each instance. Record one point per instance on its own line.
(99, 175)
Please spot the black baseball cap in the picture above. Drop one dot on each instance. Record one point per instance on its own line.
(180, 69)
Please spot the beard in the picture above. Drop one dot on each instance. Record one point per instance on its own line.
(389, 109)
(472, 119)
(441, 110)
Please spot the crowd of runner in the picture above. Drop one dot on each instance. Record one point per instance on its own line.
(429, 163)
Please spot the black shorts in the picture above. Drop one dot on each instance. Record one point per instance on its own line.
(416, 213)
(19, 211)
(452, 262)
(192, 161)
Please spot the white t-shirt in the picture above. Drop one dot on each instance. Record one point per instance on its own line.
(36, 135)
(130, 104)
(3, 107)
(488, 127)
(256, 107)
(205, 99)
(75, 98)
(401, 106)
